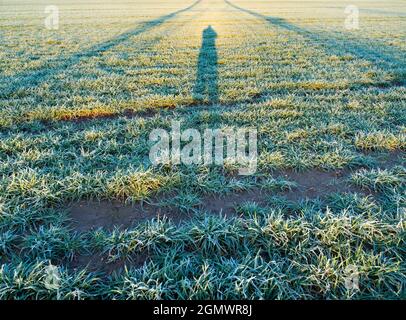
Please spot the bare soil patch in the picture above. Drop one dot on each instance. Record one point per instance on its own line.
(101, 263)
(315, 183)
(90, 215)
(388, 160)
(225, 204)
(311, 184)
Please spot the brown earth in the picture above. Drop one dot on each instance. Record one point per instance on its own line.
(311, 184)
(90, 215)
(101, 263)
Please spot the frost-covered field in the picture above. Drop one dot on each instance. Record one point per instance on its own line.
(80, 199)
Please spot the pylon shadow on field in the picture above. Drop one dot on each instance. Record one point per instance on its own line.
(32, 79)
(206, 85)
(381, 55)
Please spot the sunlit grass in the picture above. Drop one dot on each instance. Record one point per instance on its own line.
(77, 106)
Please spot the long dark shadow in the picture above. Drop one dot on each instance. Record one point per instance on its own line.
(206, 85)
(30, 79)
(368, 51)
(382, 11)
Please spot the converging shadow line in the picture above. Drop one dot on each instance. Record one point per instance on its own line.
(30, 79)
(347, 45)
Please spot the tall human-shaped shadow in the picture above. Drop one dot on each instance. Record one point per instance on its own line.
(206, 85)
